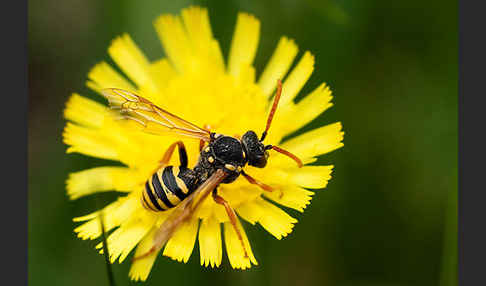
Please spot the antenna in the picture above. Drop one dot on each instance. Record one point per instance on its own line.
(274, 108)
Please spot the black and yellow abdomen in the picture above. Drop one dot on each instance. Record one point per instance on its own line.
(167, 187)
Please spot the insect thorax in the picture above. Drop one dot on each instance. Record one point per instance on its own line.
(224, 152)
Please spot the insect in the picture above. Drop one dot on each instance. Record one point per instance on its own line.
(221, 161)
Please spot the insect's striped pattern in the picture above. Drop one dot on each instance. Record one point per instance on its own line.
(166, 188)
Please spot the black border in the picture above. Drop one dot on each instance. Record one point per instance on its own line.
(14, 154)
(472, 195)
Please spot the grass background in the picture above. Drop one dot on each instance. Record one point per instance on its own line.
(389, 214)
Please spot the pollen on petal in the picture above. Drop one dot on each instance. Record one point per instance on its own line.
(180, 246)
(132, 61)
(100, 179)
(244, 44)
(211, 251)
(278, 65)
(234, 249)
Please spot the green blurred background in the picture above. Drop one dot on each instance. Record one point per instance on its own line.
(387, 217)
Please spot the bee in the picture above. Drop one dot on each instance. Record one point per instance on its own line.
(221, 161)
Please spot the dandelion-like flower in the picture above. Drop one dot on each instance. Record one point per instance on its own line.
(195, 83)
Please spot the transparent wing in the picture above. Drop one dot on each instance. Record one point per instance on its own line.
(154, 119)
(183, 211)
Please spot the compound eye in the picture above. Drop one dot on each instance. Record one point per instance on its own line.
(260, 161)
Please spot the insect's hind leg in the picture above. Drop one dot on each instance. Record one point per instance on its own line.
(232, 216)
(168, 154)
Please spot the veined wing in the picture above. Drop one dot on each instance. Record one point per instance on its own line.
(154, 119)
(184, 211)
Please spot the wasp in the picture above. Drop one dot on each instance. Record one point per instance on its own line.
(221, 161)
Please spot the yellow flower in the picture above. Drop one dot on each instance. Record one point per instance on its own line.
(195, 83)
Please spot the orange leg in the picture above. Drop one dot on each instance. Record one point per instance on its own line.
(263, 186)
(232, 216)
(201, 145)
(168, 154)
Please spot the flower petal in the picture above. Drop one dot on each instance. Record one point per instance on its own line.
(211, 251)
(140, 269)
(128, 235)
(312, 177)
(196, 22)
(297, 78)
(278, 65)
(292, 196)
(295, 116)
(180, 246)
(103, 75)
(244, 43)
(316, 142)
(272, 218)
(234, 250)
(132, 61)
(89, 142)
(114, 215)
(85, 111)
(99, 179)
(174, 40)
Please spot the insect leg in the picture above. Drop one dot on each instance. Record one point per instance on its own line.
(263, 186)
(168, 154)
(232, 216)
(201, 142)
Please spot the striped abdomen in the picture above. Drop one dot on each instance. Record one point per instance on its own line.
(168, 187)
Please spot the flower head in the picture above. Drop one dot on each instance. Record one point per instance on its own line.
(195, 83)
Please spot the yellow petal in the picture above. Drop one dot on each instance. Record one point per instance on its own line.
(316, 142)
(103, 75)
(114, 215)
(163, 72)
(292, 196)
(180, 246)
(297, 78)
(312, 177)
(244, 43)
(175, 41)
(89, 142)
(128, 235)
(234, 248)
(297, 115)
(210, 248)
(132, 61)
(272, 218)
(85, 111)
(140, 269)
(278, 65)
(196, 22)
(99, 179)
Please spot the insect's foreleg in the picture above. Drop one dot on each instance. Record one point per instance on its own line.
(232, 216)
(168, 154)
(263, 186)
